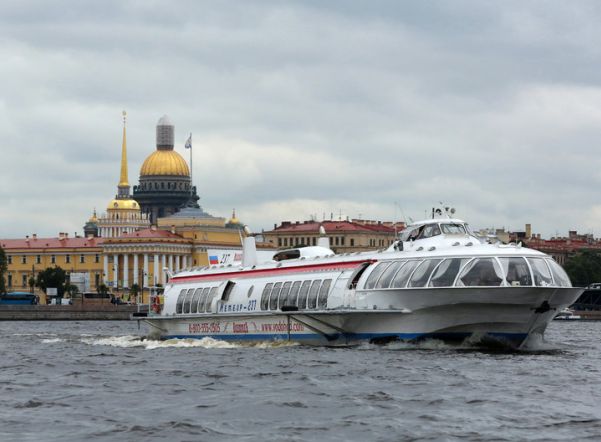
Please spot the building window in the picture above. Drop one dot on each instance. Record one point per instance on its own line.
(82, 259)
(97, 258)
(10, 259)
(342, 240)
(97, 280)
(67, 259)
(314, 240)
(352, 242)
(10, 280)
(23, 280)
(279, 242)
(337, 239)
(53, 259)
(23, 259)
(38, 259)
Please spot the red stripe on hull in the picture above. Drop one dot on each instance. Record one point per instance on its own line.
(271, 272)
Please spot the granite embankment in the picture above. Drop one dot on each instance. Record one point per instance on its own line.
(66, 312)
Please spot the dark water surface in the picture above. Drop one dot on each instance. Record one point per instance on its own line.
(99, 380)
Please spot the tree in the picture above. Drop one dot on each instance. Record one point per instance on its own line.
(102, 289)
(134, 291)
(584, 268)
(3, 270)
(52, 277)
(72, 290)
(31, 283)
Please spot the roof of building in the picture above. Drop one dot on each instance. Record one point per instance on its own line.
(51, 243)
(123, 204)
(150, 234)
(330, 227)
(165, 162)
(189, 212)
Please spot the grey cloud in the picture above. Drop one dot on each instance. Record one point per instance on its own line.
(489, 107)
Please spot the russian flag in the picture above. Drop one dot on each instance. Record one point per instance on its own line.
(213, 260)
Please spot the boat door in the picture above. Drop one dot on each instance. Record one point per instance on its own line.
(350, 284)
(221, 295)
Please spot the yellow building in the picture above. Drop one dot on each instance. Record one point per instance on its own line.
(27, 257)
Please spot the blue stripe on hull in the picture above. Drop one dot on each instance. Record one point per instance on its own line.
(515, 338)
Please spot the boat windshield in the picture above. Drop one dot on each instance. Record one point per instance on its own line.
(420, 232)
(453, 228)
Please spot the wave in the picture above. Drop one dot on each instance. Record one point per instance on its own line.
(130, 341)
(52, 340)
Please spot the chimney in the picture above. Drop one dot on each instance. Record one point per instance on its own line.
(35, 236)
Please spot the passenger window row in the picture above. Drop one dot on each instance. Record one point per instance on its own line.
(300, 294)
(462, 272)
(195, 300)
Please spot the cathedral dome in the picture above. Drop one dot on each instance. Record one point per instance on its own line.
(123, 204)
(165, 162)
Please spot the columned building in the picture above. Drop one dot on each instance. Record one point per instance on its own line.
(123, 213)
(165, 183)
(141, 258)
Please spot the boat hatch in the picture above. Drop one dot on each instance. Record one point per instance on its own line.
(287, 254)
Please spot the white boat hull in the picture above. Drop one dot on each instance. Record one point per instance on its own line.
(509, 314)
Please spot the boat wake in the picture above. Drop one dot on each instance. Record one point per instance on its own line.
(130, 341)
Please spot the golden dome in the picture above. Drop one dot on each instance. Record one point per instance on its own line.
(165, 162)
(233, 219)
(128, 204)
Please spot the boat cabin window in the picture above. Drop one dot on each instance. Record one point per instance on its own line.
(188, 300)
(402, 276)
(227, 291)
(374, 276)
(194, 306)
(446, 272)
(516, 271)
(313, 292)
(386, 278)
(429, 231)
(180, 301)
(559, 274)
(302, 295)
(284, 294)
(291, 299)
(265, 296)
(542, 274)
(411, 233)
(481, 272)
(453, 229)
(273, 298)
(212, 295)
(203, 299)
(323, 294)
(422, 273)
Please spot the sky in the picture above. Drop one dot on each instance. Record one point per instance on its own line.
(379, 109)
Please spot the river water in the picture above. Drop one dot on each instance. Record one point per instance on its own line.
(102, 381)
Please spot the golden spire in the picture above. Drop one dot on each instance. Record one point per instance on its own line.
(123, 181)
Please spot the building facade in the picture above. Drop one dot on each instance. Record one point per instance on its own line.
(345, 236)
(27, 257)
